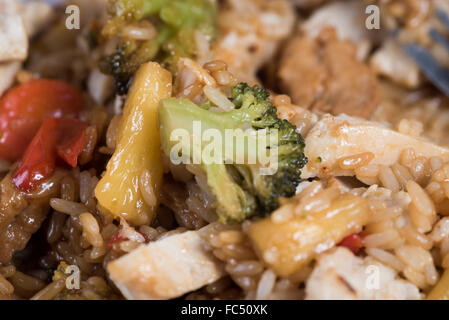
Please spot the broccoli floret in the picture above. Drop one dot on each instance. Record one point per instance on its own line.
(241, 189)
(176, 22)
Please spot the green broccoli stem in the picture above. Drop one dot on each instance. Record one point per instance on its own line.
(228, 146)
(240, 204)
(182, 113)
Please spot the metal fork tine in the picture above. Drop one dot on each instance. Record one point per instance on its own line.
(438, 37)
(444, 18)
(427, 63)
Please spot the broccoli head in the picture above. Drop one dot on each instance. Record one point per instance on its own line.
(242, 188)
(176, 23)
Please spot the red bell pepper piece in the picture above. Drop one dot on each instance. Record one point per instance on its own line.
(116, 238)
(72, 141)
(56, 137)
(353, 242)
(25, 107)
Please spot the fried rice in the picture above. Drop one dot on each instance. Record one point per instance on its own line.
(374, 194)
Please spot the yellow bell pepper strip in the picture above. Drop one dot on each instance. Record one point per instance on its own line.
(137, 155)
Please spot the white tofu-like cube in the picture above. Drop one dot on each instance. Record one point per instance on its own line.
(165, 269)
(36, 16)
(13, 37)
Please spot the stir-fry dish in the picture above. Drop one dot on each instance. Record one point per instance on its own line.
(224, 149)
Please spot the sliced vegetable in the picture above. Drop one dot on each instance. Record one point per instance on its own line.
(25, 107)
(287, 247)
(353, 242)
(240, 187)
(138, 149)
(116, 238)
(71, 140)
(56, 137)
(173, 33)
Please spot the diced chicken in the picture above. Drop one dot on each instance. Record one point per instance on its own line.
(17, 23)
(11, 202)
(20, 217)
(36, 15)
(302, 72)
(8, 71)
(13, 37)
(165, 269)
(100, 86)
(348, 19)
(339, 275)
(334, 137)
(390, 61)
(324, 74)
(251, 32)
(17, 234)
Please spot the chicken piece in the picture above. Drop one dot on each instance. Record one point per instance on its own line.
(335, 137)
(348, 19)
(251, 31)
(20, 215)
(13, 37)
(17, 234)
(324, 74)
(12, 201)
(340, 275)
(302, 72)
(350, 86)
(393, 63)
(36, 15)
(165, 269)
